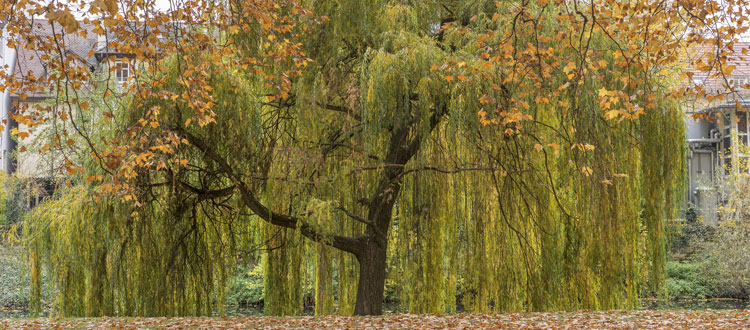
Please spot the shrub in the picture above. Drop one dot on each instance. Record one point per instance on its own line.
(15, 204)
(685, 280)
(689, 237)
(726, 260)
(725, 256)
(247, 286)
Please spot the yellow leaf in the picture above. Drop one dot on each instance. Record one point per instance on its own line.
(448, 78)
(569, 67)
(587, 171)
(603, 92)
(611, 114)
(555, 146)
(461, 77)
(538, 147)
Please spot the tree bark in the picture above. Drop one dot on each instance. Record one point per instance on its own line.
(371, 288)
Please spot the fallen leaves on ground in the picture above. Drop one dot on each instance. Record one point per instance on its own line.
(648, 319)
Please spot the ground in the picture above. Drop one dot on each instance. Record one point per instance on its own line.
(665, 319)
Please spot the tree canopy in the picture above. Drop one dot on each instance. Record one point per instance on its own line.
(527, 153)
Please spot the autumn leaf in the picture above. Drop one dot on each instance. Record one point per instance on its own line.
(587, 171)
(611, 114)
(603, 92)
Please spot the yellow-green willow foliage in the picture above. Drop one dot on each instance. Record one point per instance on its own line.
(567, 214)
(106, 258)
(538, 234)
(563, 208)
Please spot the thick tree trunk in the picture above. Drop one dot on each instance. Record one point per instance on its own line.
(370, 291)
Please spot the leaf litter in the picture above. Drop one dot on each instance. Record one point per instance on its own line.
(583, 320)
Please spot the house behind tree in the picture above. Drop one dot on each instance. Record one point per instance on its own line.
(718, 132)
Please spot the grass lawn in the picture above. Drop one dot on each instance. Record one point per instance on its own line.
(662, 319)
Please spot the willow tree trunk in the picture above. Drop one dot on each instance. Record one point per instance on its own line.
(371, 288)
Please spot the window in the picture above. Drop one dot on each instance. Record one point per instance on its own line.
(742, 122)
(122, 72)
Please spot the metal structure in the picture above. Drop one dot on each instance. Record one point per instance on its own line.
(716, 148)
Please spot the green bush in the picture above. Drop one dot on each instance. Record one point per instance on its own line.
(726, 260)
(5, 187)
(15, 204)
(726, 256)
(689, 237)
(686, 280)
(17, 196)
(247, 286)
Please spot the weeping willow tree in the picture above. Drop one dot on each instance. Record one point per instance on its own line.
(513, 152)
(111, 260)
